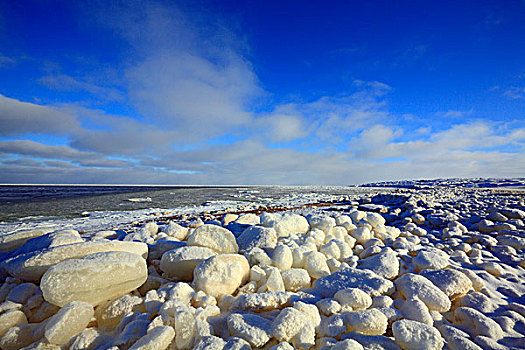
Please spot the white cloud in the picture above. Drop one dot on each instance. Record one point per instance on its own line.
(515, 92)
(20, 118)
(188, 71)
(6, 61)
(67, 83)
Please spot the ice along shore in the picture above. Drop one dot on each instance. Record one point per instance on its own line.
(434, 266)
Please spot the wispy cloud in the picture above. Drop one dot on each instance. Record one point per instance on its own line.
(6, 61)
(64, 82)
(515, 92)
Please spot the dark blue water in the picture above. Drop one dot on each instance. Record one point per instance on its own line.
(26, 203)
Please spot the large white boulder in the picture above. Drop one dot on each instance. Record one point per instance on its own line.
(476, 323)
(257, 236)
(365, 280)
(216, 238)
(430, 258)
(411, 285)
(15, 239)
(159, 338)
(10, 319)
(452, 282)
(322, 222)
(361, 234)
(374, 219)
(94, 279)
(68, 322)
(175, 230)
(385, 264)
(296, 279)
(282, 257)
(288, 323)
(372, 321)
(31, 266)
(254, 329)
(353, 299)
(179, 263)
(413, 335)
(286, 223)
(221, 274)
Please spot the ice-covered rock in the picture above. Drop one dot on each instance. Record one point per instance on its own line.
(413, 335)
(411, 285)
(221, 274)
(210, 342)
(286, 223)
(353, 299)
(371, 322)
(475, 323)
(414, 309)
(361, 234)
(216, 238)
(430, 258)
(175, 230)
(452, 282)
(384, 264)
(70, 320)
(257, 236)
(157, 339)
(94, 279)
(296, 279)
(287, 324)
(365, 280)
(21, 293)
(15, 239)
(254, 329)
(315, 264)
(179, 263)
(322, 222)
(282, 257)
(10, 319)
(248, 219)
(374, 219)
(109, 314)
(31, 266)
(259, 302)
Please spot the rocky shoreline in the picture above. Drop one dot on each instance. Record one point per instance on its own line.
(429, 267)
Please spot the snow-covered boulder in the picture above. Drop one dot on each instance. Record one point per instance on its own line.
(413, 335)
(216, 238)
(70, 320)
(411, 285)
(179, 263)
(94, 279)
(257, 236)
(31, 266)
(221, 274)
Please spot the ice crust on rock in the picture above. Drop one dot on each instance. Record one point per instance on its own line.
(371, 322)
(257, 237)
(413, 335)
(221, 274)
(254, 329)
(70, 320)
(285, 224)
(365, 280)
(32, 266)
(416, 286)
(181, 262)
(216, 238)
(94, 279)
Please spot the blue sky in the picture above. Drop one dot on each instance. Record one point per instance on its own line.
(262, 92)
